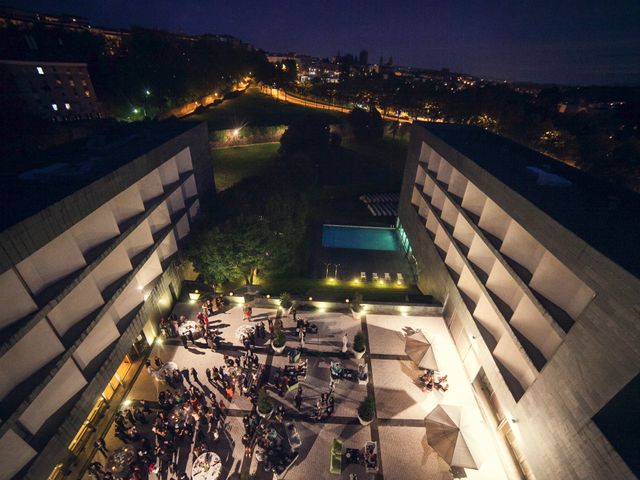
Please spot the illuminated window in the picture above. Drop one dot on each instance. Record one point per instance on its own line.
(40, 70)
(84, 83)
(87, 93)
(67, 106)
(54, 106)
(72, 83)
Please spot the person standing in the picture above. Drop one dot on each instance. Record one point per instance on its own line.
(185, 375)
(183, 338)
(345, 342)
(298, 398)
(101, 447)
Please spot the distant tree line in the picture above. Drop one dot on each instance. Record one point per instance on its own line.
(149, 70)
(605, 142)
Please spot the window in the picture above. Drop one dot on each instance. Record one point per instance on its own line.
(40, 70)
(87, 93)
(84, 83)
(72, 83)
(54, 106)
(67, 106)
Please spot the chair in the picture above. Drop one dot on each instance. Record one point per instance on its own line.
(363, 276)
(375, 277)
(400, 278)
(335, 465)
(387, 277)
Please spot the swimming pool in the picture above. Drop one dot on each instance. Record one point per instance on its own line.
(359, 238)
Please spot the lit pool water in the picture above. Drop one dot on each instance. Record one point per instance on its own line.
(359, 238)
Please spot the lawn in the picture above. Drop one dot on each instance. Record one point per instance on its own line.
(231, 165)
(253, 108)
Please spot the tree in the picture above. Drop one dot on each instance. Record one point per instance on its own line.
(366, 126)
(233, 251)
(308, 134)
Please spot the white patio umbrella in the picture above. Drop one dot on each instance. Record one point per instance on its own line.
(445, 437)
(418, 348)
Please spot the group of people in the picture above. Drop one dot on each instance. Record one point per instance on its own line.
(325, 406)
(269, 438)
(432, 379)
(241, 374)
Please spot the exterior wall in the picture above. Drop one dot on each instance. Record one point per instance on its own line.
(55, 91)
(102, 301)
(584, 366)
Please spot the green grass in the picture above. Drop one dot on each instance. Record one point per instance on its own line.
(231, 165)
(253, 108)
(387, 153)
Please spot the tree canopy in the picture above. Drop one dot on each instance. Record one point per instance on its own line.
(366, 126)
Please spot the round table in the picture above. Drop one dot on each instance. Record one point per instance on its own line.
(207, 466)
(244, 330)
(182, 414)
(165, 371)
(188, 326)
(119, 461)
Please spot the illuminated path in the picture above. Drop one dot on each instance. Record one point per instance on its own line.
(285, 96)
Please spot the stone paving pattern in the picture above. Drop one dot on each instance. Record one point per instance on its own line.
(401, 406)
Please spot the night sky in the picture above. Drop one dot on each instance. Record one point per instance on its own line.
(561, 41)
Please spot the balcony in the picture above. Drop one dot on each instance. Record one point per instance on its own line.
(524, 274)
(562, 318)
(536, 356)
(512, 382)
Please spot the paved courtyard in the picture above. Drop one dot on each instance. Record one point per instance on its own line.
(401, 406)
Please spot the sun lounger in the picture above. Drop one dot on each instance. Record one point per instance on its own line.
(363, 276)
(375, 277)
(387, 277)
(400, 278)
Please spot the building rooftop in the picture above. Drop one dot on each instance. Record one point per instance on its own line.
(32, 184)
(602, 215)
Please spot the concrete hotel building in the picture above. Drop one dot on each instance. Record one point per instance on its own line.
(537, 267)
(88, 264)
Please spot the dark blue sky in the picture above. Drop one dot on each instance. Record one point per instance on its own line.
(563, 41)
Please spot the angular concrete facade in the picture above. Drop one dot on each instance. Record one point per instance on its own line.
(82, 281)
(546, 324)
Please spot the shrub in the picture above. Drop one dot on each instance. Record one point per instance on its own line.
(285, 300)
(356, 304)
(358, 342)
(264, 402)
(278, 339)
(367, 409)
